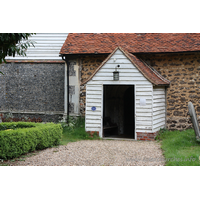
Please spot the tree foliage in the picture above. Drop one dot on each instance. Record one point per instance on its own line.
(14, 43)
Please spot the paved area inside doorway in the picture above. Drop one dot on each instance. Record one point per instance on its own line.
(98, 153)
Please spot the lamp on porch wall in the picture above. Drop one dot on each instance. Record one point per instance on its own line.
(116, 74)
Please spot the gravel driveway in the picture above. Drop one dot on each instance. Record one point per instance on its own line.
(98, 153)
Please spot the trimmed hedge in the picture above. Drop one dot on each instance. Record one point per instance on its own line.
(14, 125)
(26, 137)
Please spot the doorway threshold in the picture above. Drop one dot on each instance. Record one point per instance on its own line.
(112, 138)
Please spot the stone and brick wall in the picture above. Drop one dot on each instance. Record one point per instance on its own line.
(39, 87)
(88, 65)
(183, 71)
(31, 89)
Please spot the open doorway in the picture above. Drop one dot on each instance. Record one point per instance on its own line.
(119, 111)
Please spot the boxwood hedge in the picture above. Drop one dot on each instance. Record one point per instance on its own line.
(17, 138)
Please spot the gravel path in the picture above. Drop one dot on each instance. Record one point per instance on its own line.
(98, 153)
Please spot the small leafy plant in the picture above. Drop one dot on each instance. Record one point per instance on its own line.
(76, 132)
(161, 133)
(73, 122)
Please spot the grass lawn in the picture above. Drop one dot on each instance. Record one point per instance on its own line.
(76, 133)
(180, 148)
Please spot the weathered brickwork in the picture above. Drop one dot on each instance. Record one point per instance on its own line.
(92, 133)
(146, 136)
(88, 65)
(183, 71)
(35, 87)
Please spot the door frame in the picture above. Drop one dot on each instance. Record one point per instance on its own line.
(102, 107)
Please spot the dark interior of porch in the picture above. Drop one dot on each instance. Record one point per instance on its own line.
(119, 111)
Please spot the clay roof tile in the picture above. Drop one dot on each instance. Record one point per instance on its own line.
(89, 43)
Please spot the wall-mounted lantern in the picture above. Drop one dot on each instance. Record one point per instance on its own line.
(116, 74)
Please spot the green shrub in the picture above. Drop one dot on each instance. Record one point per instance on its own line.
(14, 125)
(27, 137)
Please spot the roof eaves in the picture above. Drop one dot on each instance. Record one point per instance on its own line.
(156, 72)
(166, 82)
(128, 55)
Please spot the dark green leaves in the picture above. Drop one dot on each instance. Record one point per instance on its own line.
(12, 43)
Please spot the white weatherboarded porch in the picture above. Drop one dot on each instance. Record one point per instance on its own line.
(148, 101)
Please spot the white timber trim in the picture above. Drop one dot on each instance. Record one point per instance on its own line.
(135, 86)
(86, 112)
(102, 100)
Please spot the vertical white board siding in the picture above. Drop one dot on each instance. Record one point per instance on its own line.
(47, 46)
(128, 75)
(159, 108)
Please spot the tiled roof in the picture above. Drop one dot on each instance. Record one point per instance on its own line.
(151, 74)
(89, 43)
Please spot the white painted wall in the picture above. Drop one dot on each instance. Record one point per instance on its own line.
(129, 75)
(159, 108)
(47, 47)
(75, 81)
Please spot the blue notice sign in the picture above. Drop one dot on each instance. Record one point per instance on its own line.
(93, 108)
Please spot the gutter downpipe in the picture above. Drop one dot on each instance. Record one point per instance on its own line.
(66, 83)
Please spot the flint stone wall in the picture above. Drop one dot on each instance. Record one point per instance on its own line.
(32, 87)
